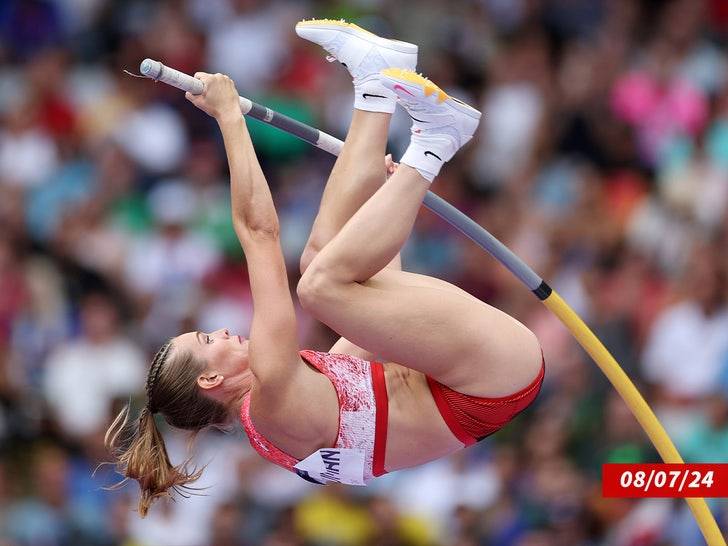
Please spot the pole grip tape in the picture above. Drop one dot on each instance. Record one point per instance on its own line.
(159, 72)
(162, 73)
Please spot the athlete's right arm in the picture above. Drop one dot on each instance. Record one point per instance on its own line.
(273, 352)
(292, 403)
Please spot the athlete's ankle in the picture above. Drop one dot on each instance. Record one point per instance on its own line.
(441, 124)
(427, 155)
(371, 96)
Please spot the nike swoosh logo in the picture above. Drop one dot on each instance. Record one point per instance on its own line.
(428, 152)
(414, 118)
(365, 95)
(397, 86)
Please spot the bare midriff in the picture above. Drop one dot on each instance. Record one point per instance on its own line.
(417, 432)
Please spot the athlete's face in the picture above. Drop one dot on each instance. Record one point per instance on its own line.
(225, 354)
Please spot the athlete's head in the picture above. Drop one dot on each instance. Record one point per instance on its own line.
(196, 380)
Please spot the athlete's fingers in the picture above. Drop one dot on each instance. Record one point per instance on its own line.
(390, 165)
(204, 77)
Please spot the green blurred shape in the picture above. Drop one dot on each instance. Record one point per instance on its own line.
(274, 144)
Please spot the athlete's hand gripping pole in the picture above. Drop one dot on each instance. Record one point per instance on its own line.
(609, 366)
(159, 72)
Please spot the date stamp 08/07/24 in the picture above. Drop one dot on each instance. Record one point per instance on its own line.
(665, 480)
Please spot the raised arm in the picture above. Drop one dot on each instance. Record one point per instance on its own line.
(273, 351)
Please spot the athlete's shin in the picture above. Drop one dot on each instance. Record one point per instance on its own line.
(373, 236)
(365, 147)
(358, 173)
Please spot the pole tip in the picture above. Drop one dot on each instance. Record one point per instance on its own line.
(150, 68)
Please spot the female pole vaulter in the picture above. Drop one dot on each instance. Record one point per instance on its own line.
(422, 369)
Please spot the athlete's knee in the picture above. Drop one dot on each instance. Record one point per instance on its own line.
(316, 241)
(317, 286)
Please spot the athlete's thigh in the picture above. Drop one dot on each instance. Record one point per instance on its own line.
(434, 327)
(407, 278)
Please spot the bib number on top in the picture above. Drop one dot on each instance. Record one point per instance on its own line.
(342, 465)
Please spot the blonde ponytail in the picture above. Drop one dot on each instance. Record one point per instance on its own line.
(145, 459)
(139, 448)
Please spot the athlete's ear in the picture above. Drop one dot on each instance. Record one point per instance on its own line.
(209, 380)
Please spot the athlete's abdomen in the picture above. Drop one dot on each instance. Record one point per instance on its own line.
(417, 433)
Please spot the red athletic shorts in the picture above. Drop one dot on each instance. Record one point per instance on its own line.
(471, 418)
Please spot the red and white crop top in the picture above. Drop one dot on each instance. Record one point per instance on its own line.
(358, 454)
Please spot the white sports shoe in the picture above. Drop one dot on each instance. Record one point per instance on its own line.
(441, 124)
(364, 54)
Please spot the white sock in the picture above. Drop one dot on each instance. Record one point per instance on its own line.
(369, 93)
(428, 154)
(372, 96)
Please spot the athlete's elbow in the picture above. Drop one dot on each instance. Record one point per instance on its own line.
(258, 230)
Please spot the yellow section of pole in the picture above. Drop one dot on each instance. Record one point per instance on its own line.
(637, 405)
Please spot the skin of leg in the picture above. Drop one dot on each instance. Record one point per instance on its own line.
(374, 235)
(414, 321)
(453, 337)
(358, 173)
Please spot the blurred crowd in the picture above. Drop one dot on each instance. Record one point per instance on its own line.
(601, 159)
